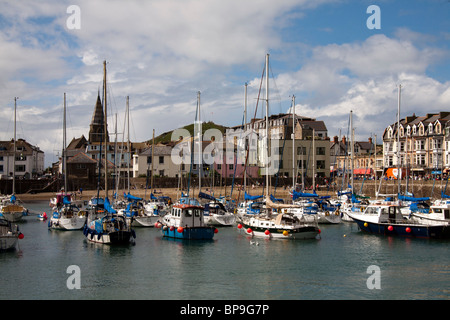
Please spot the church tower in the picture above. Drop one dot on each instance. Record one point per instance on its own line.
(96, 127)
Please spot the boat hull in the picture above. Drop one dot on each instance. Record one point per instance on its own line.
(329, 218)
(404, 230)
(13, 216)
(114, 238)
(302, 233)
(220, 219)
(145, 221)
(189, 233)
(74, 223)
(8, 242)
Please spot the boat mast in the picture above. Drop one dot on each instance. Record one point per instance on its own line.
(352, 149)
(246, 138)
(105, 129)
(267, 124)
(293, 143)
(64, 156)
(199, 128)
(398, 137)
(128, 142)
(14, 147)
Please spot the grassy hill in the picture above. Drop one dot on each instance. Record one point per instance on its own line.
(166, 136)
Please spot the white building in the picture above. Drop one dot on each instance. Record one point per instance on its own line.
(29, 160)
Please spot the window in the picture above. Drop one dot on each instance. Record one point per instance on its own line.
(161, 159)
(1, 158)
(421, 130)
(320, 164)
(21, 157)
(420, 144)
(20, 168)
(430, 128)
(320, 151)
(161, 173)
(149, 160)
(420, 159)
(438, 128)
(437, 144)
(1, 168)
(230, 166)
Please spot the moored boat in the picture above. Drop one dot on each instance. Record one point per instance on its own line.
(186, 221)
(110, 229)
(438, 214)
(10, 210)
(386, 219)
(9, 234)
(67, 217)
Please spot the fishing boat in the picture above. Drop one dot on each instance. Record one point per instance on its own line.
(110, 229)
(438, 214)
(386, 218)
(186, 221)
(9, 234)
(68, 216)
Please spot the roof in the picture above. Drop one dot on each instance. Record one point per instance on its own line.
(81, 157)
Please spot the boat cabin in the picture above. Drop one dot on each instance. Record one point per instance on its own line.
(385, 213)
(184, 215)
(441, 210)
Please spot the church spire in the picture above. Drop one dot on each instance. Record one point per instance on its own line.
(96, 126)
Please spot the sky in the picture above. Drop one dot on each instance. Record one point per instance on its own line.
(334, 56)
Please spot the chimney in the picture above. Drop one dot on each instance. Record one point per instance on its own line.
(370, 140)
(344, 141)
(336, 139)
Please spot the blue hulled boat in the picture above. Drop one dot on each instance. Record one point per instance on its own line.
(386, 219)
(186, 221)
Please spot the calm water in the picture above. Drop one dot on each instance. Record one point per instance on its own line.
(228, 268)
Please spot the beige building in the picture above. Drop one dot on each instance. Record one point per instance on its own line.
(420, 142)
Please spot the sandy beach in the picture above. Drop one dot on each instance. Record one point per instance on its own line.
(173, 193)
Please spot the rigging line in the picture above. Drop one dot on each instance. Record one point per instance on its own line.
(276, 89)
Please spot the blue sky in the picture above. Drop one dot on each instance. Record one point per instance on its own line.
(161, 52)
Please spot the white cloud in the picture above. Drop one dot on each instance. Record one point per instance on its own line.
(162, 52)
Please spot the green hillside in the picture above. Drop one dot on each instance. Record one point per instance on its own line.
(166, 136)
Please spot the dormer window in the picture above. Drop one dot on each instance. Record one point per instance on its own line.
(389, 133)
(430, 128)
(408, 131)
(438, 128)
(421, 130)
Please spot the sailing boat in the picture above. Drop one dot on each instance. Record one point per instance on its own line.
(110, 228)
(67, 215)
(10, 209)
(283, 225)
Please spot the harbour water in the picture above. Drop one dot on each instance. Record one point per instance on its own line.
(231, 267)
